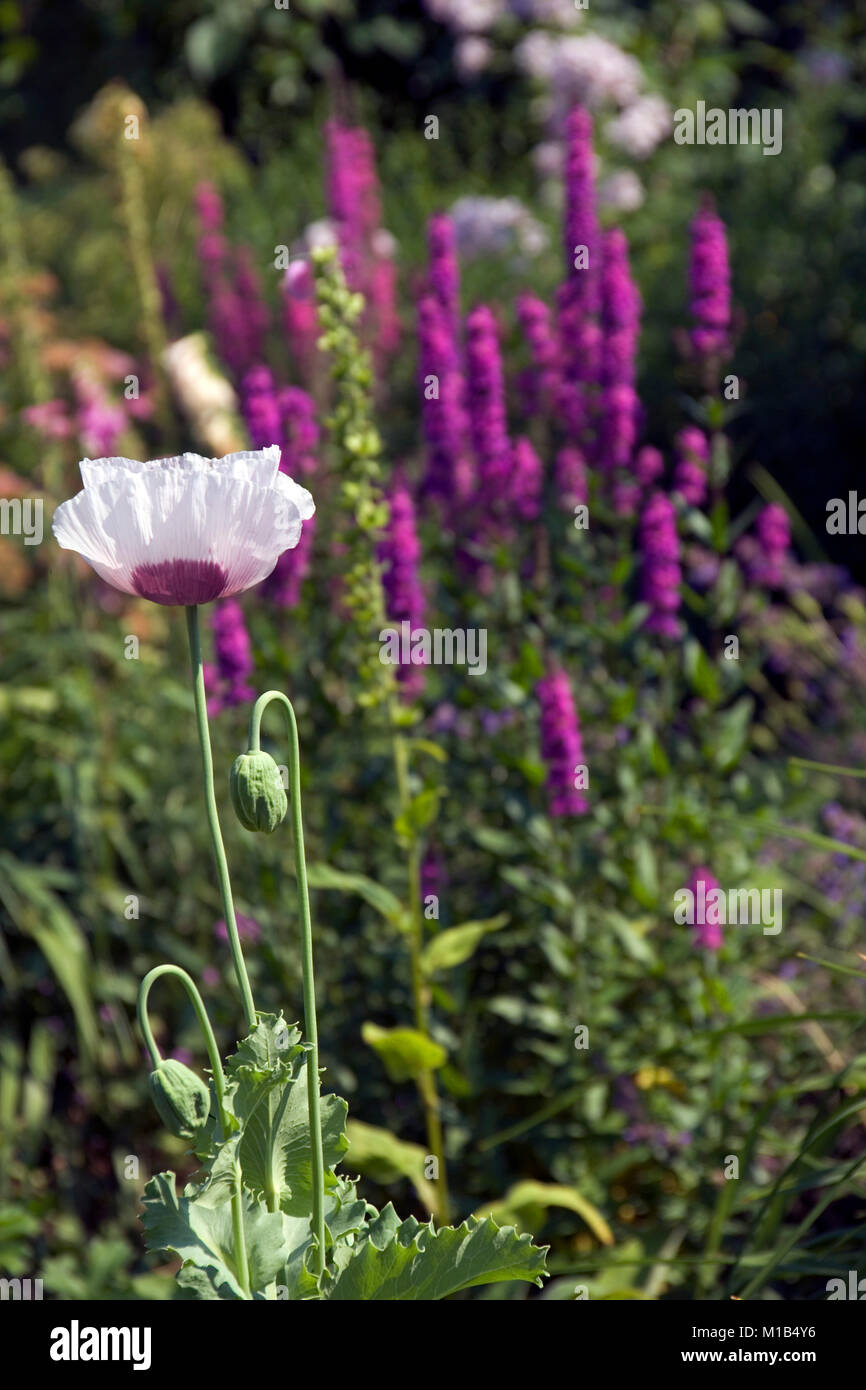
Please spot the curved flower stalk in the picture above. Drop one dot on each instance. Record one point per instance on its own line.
(183, 1085)
(310, 1022)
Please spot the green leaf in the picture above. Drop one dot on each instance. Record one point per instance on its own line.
(382, 899)
(456, 944)
(732, 733)
(380, 1155)
(525, 1204)
(272, 1042)
(202, 1237)
(632, 935)
(406, 1052)
(268, 1097)
(701, 673)
(41, 914)
(422, 1264)
(431, 749)
(643, 880)
(420, 813)
(499, 842)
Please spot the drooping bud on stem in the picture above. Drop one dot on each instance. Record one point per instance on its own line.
(181, 1097)
(257, 791)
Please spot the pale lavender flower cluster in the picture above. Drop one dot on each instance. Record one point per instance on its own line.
(496, 227)
(642, 126)
(587, 69)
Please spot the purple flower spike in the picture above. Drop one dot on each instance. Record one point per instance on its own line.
(710, 284)
(234, 658)
(579, 298)
(708, 930)
(648, 465)
(542, 383)
(443, 275)
(621, 311)
(764, 555)
(621, 308)
(660, 575)
(260, 407)
(450, 473)
(526, 481)
(571, 481)
(248, 929)
(400, 554)
(581, 211)
(693, 457)
(774, 530)
(561, 745)
(488, 423)
(299, 432)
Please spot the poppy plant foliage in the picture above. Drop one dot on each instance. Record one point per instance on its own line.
(268, 1216)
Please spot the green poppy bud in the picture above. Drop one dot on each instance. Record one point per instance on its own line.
(258, 795)
(181, 1097)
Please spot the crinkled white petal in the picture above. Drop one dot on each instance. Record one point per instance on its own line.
(184, 510)
(257, 465)
(297, 495)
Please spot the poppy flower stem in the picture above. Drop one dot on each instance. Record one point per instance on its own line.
(213, 815)
(219, 1084)
(311, 1031)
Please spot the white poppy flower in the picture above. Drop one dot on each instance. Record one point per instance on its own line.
(184, 530)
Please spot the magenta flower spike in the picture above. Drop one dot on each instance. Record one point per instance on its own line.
(621, 310)
(486, 400)
(710, 284)
(690, 472)
(400, 554)
(660, 571)
(561, 745)
(708, 931)
(229, 682)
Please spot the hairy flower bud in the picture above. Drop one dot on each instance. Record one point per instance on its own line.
(258, 795)
(181, 1097)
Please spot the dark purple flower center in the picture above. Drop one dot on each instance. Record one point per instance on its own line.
(180, 582)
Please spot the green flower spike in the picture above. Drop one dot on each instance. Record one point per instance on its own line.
(258, 795)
